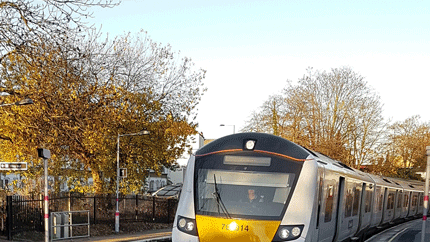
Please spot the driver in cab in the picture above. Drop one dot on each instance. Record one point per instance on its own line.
(253, 198)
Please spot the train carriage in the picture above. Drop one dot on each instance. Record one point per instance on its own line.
(403, 197)
(260, 187)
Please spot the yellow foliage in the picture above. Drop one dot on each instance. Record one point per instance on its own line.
(78, 119)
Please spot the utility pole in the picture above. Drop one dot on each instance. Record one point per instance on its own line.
(118, 174)
(234, 127)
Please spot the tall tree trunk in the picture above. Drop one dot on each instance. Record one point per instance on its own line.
(97, 182)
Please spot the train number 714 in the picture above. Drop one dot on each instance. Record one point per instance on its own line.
(235, 227)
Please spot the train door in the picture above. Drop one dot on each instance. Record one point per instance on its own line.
(405, 198)
(340, 207)
(366, 208)
(327, 218)
(351, 200)
(407, 202)
(414, 202)
(377, 206)
(361, 212)
(420, 203)
(389, 205)
(398, 205)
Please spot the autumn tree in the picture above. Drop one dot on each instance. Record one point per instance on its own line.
(172, 87)
(22, 22)
(85, 96)
(26, 26)
(271, 118)
(335, 113)
(405, 148)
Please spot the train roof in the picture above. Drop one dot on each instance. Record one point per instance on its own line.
(410, 185)
(262, 141)
(385, 181)
(279, 145)
(337, 166)
(341, 168)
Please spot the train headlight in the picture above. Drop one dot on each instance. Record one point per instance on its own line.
(187, 225)
(232, 226)
(288, 232)
(182, 222)
(250, 144)
(284, 233)
(296, 231)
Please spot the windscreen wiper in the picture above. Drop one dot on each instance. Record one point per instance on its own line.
(219, 200)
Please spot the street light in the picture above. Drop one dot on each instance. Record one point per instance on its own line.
(24, 101)
(234, 127)
(143, 132)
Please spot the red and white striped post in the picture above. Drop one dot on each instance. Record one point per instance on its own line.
(117, 186)
(46, 201)
(426, 196)
(45, 154)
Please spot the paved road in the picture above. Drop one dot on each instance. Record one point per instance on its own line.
(407, 232)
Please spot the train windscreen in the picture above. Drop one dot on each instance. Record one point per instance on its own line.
(244, 186)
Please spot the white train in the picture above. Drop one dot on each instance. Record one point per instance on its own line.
(260, 187)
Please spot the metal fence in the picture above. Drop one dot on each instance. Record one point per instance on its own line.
(22, 214)
(70, 225)
(26, 213)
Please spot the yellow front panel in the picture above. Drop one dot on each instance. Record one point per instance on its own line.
(214, 229)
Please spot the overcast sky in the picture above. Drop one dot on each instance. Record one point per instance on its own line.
(251, 48)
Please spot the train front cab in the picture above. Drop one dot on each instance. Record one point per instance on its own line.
(215, 203)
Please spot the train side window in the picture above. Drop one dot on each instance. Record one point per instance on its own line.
(390, 202)
(421, 199)
(406, 201)
(414, 200)
(368, 201)
(378, 201)
(348, 203)
(399, 199)
(355, 206)
(381, 198)
(329, 204)
(320, 188)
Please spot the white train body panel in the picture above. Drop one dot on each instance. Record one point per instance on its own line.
(186, 206)
(303, 202)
